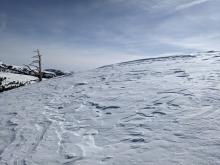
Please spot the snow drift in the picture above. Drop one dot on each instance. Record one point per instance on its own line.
(12, 76)
(151, 111)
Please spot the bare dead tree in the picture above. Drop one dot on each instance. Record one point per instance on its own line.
(36, 65)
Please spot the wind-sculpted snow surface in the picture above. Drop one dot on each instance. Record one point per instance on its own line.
(162, 111)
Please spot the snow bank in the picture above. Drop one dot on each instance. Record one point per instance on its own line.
(162, 111)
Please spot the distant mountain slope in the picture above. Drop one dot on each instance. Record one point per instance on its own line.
(161, 111)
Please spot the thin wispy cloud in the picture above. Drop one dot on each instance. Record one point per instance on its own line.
(104, 32)
(191, 4)
(200, 42)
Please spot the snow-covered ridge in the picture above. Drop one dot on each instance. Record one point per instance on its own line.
(162, 111)
(10, 81)
(12, 76)
(47, 73)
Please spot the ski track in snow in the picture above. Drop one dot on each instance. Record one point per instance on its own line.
(156, 111)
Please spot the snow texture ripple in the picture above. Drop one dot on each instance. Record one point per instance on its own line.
(162, 111)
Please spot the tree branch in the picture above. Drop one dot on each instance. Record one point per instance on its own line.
(35, 61)
(36, 56)
(30, 69)
(32, 65)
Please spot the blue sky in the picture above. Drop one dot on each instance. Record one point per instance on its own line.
(83, 34)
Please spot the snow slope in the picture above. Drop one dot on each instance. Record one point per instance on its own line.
(12, 76)
(162, 111)
(10, 81)
(17, 77)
